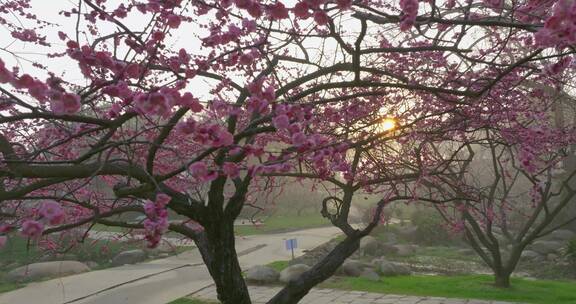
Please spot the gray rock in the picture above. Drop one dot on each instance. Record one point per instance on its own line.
(466, 251)
(405, 250)
(262, 275)
(387, 268)
(292, 273)
(562, 235)
(370, 274)
(91, 264)
(37, 271)
(552, 257)
(387, 249)
(370, 246)
(352, 268)
(546, 247)
(408, 232)
(129, 257)
(390, 238)
(530, 255)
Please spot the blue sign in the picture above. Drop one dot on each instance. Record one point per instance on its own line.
(291, 244)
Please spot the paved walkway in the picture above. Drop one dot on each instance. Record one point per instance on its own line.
(331, 296)
(159, 281)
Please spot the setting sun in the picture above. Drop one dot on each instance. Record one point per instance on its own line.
(387, 124)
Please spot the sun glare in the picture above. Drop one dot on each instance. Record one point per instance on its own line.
(387, 124)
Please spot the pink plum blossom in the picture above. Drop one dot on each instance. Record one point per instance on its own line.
(230, 169)
(66, 103)
(32, 229)
(52, 212)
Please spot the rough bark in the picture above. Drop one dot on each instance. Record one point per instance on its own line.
(217, 248)
(502, 279)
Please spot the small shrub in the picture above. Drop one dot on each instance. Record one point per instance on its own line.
(570, 251)
(431, 229)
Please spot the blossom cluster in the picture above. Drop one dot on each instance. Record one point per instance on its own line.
(409, 12)
(49, 213)
(61, 102)
(560, 28)
(156, 222)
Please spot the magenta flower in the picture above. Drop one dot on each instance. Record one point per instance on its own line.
(32, 229)
(301, 10)
(66, 103)
(277, 11)
(173, 21)
(281, 122)
(52, 212)
(162, 199)
(201, 173)
(298, 139)
(231, 169)
(321, 17)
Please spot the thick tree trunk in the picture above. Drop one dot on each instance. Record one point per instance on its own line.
(502, 279)
(296, 290)
(219, 254)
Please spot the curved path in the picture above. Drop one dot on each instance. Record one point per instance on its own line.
(159, 281)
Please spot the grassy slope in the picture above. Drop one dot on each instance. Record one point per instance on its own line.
(472, 287)
(274, 224)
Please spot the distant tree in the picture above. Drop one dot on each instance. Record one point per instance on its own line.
(502, 202)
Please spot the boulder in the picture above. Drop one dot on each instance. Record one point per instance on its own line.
(387, 268)
(262, 275)
(551, 257)
(370, 275)
(92, 264)
(405, 250)
(562, 235)
(546, 247)
(466, 251)
(369, 245)
(129, 257)
(387, 249)
(37, 271)
(292, 273)
(390, 238)
(407, 232)
(530, 255)
(351, 268)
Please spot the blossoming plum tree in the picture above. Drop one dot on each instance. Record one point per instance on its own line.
(190, 106)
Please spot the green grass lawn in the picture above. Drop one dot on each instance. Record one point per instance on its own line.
(279, 265)
(281, 223)
(468, 287)
(7, 286)
(273, 224)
